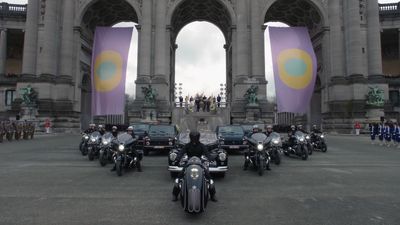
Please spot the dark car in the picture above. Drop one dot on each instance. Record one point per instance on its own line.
(141, 130)
(218, 164)
(231, 137)
(160, 137)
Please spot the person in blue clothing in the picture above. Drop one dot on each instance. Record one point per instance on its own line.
(381, 133)
(388, 134)
(396, 135)
(373, 131)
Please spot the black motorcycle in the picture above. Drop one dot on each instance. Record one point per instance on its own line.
(297, 147)
(94, 145)
(106, 149)
(84, 144)
(194, 186)
(257, 155)
(310, 146)
(126, 157)
(318, 142)
(274, 145)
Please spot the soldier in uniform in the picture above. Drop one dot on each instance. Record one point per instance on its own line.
(25, 130)
(2, 131)
(9, 130)
(388, 134)
(381, 130)
(373, 131)
(395, 134)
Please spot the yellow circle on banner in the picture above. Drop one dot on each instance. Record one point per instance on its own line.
(107, 71)
(295, 68)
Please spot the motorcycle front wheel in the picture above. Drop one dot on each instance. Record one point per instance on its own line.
(102, 158)
(324, 148)
(261, 166)
(91, 155)
(119, 168)
(304, 155)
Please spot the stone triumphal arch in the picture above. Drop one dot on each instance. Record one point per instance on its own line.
(58, 37)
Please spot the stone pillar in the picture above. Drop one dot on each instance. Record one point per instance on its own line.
(353, 37)
(257, 41)
(3, 50)
(374, 39)
(50, 49)
(31, 38)
(144, 60)
(336, 39)
(67, 42)
(243, 58)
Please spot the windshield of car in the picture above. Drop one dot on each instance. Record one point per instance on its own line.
(162, 130)
(140, 127)
(231, 130)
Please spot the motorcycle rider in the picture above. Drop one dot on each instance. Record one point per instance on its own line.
(268, 130)
(300, 128)
(102, 130)
(194, 148)
(314, 132)
(132, 151)
(91, 129)
(256, 129)
(114, 131)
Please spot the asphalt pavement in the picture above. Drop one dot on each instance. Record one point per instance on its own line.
(46, 181)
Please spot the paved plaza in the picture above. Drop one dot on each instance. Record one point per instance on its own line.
(47, 181)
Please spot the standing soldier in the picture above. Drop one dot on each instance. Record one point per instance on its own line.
(357, 126)
(373, 131)
(388, 135)
(395, 134)
(2, 131)
(219, 101)
(25, 133)
(381, 129)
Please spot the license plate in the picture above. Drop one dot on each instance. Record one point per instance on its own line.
(159, 147)
(234, 147)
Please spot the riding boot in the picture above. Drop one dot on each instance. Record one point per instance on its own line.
(176, 190)
(212, 191)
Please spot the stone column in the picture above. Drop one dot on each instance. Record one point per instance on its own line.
(243, 58)
(160, 41)
(257, 41)
(336, 39)
(67, 42)
(49, 52)
(353, 37)
(144, 60)
(374, 39)
(3, 50)
(31, 38)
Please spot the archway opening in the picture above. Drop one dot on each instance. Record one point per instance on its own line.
(200, 67)
(116, 13)
(299, 13)
(214, 17)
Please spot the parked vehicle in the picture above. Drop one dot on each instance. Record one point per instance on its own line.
(126, 157)
(83, 146)
(93, 145)
(310, 146)
(257, 155)
(218, 164)
(161, 138)
(141, 130)
(232, 137)
(298, 147)
(106, 149)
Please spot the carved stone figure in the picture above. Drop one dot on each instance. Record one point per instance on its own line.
(375, 97)
(29, 95)
(150, 95)
(251, 95)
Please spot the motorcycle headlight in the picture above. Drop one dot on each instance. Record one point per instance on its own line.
(222, 156)
(170, 143)
(275, 142)
(301, 139)
(93, 139)
(221, 142)
(86, 137)
(121, 148)
(105, 142)
(172, 156)
(322, 136)
(307, 137)
(194, 173)
(260, 147)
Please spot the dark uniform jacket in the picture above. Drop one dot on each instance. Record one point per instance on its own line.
(192, 149)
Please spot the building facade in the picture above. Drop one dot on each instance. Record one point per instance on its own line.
(48, 45)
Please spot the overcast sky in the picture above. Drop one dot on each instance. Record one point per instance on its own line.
(200, 58)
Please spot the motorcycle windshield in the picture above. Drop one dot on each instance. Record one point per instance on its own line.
(107, 136)
(95, 135)
(125, 139)
(258, 137)
(273, 136)
(299, 135)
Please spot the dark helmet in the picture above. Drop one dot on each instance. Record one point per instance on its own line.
(194, 136)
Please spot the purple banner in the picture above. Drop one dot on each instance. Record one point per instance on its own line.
(109, 62)
(295, 68)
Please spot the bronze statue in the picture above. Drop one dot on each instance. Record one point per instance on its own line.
(375, 97)
(29, 95)
(150, 95)
(251, 95)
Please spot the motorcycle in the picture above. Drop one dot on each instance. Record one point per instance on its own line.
(126, 157)
(318, 142)
(257, 154)
(194, 185)
(106, 149)
(274, 144)
(298, 147)
(310, 146)
(83, 144)
(93, 145)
